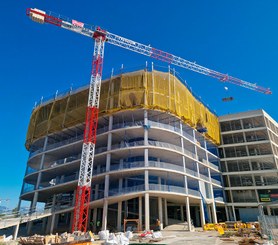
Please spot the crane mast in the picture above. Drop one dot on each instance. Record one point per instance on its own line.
(83, 191)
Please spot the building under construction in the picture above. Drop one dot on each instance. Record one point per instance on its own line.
(155, 158)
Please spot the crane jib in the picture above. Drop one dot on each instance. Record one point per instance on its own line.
(90, 31)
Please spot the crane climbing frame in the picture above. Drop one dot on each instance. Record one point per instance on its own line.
(82, 198)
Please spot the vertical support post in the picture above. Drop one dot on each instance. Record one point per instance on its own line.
(202, 213)
(119, 219)
(147, 211)
(160, 212)
(16, 228)
(188, 216)
(104, 214)
(182, 214)
(140, 212)
(95, 219)
(52, 223)
(166, 212)
(234, 212)
(214, 216)
(227, 213)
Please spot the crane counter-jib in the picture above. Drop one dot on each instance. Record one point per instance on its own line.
(90, 30)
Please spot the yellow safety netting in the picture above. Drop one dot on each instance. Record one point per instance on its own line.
(140, 89)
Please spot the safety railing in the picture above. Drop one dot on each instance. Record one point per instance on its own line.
(155, 143)
(217, 182)
(31, 170)
(167, 188)
(64, 142)
(154, 164)
(57, 144)
(204, 177)
(220, 199)
(193, 192)
(213, 165)
(28, 188)
(62, 161)
(59, 180)
(153, 187)
(126, 190)
(16, 217)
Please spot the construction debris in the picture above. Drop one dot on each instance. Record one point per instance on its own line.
(5, 239)
(75, 237)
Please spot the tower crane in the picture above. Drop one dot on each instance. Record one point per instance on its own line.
(101, 36)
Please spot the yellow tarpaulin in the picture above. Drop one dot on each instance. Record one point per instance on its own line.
(140, 89)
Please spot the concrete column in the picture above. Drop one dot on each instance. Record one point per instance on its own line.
(52, 223)
(32, 209)
(88, 221)
(182, 214)
(44, 222)
(214, 216)
(48, 224)
(147, 211)
(35, 198)
(121, 163)
(202, 213)
(145, 128)
(183, 161)
(160, 212)
(120, 184)
(197, 216)
(16, 228)
(106, 186)
(146, 152)
(234, 212)
(95, 219)
(231, 217)
(119, 219)
(140, 212)
(96, 191)
(188, 216)
(227, 213)
(165, 212)
(146, 180)
(104, 214)
(209, 213)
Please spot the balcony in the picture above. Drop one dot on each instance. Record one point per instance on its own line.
(150, 143)
(153, 187)
(57, 144)
(152, 164)
(61, 161)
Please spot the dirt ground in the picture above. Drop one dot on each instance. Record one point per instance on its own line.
(192, 238)
(198, 237)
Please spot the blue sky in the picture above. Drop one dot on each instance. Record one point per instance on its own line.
(235, 37)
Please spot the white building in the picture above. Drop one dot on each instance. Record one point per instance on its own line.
(249, 155)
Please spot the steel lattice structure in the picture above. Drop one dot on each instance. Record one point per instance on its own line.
(82, 198)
